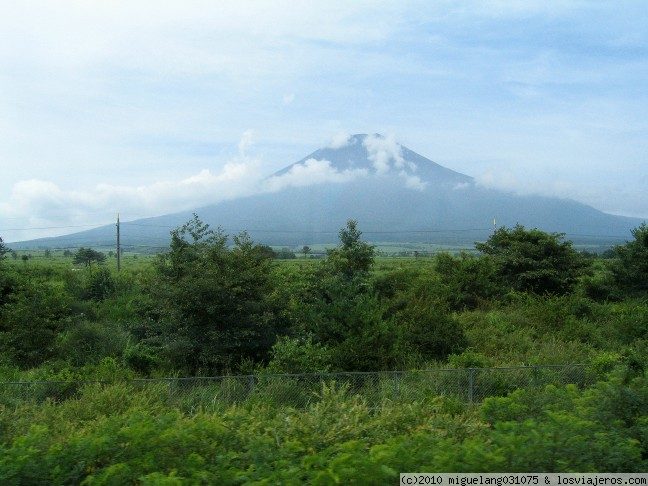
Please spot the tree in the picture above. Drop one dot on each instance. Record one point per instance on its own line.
(533, 260)
(86, 256)
(24, 258)
(214, 300)
(285, 254)
(353, 256)
(306, 250)
(3, 249)
(630, 268)
(48, 253)
(268, 251)
(339, 309)
(67, 253)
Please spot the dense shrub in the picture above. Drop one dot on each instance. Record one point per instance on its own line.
(90, 342)
(299, 355)
(534, 261)
(30, 320)
(470, 281)
(630, 269)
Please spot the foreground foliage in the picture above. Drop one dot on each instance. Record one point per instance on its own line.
(116, 435)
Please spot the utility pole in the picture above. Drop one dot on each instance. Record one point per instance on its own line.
(118, 246)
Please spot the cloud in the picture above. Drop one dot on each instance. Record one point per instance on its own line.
(288, 98)
(311, 172)
(412, 181)
(38, 202)
(385, 151)
(90, 85)
(461, 185)
(41, 203)
(339, 140)
(246, 142)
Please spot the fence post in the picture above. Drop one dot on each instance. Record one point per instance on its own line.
(396, 384)
(471, 385)
(251, 381)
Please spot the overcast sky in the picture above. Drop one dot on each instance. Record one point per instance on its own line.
(151, 107)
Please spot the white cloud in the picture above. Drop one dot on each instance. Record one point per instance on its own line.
(339, 140)
(126, 92)
(247, 140)
(41, 203)
(412, 181)
(38, 203)
(461, 185)
(288, 98)
(505, 180)
(385, 151)
(311, 172)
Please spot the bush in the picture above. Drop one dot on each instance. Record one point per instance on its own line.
(471, 281)
(99, 284)
(630, 269)
(30, 321)
(427, 330)
(90, 342)
(298, 355)
(534, 261)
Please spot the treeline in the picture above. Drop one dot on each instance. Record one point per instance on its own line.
(205, 307)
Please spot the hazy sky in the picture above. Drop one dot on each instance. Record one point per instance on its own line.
(150, 107)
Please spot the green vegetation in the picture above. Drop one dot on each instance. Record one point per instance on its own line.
(208, 308)
(87, 256)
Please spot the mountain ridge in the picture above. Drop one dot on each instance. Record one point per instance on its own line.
(396, 194)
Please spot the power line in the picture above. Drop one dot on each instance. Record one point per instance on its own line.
(53, 227)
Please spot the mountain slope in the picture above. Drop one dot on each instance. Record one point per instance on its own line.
(396, 195)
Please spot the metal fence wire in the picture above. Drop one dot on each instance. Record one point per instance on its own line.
(470, 385)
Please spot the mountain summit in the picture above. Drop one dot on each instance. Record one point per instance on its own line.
(379, 155)
(395, 194)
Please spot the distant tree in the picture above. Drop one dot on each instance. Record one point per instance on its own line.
(14, 255)
(3, 249)
(87, 256)
(285, 254)
(306, 250)
(533, 260)
(353, 256)
(267, 251)
(48, 253)
(111, 254)
(24, 258)
(630, 268)
(67, 253)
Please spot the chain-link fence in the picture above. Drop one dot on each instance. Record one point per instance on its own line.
(470, 385)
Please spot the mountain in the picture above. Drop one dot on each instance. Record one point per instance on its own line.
(396, 195)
